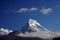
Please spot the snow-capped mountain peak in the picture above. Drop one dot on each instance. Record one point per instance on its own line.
(36, 29)
(34, 25)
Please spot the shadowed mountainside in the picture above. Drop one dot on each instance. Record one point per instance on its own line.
(7, 37)
(58, 38)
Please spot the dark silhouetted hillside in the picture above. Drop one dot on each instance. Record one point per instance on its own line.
(58, 38)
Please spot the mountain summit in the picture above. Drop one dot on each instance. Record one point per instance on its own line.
(33, 26)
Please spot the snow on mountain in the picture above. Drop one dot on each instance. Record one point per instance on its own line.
(33, 26)
(4, 31)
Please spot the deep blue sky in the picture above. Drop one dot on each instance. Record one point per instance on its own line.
(11, 19)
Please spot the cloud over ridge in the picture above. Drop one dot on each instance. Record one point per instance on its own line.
(4, 31)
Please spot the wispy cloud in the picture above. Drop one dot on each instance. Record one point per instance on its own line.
(23, 10)
(46, 10)
(34, 9)
(27, 9)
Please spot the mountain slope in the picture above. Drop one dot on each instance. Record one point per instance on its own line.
(31, 31)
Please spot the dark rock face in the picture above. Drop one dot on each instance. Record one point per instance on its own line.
(58, 38)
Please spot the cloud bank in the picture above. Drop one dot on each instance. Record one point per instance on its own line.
(5, 31)
(40, 34)
(34, 9)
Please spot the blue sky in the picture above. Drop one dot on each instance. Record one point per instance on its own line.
(14, 14)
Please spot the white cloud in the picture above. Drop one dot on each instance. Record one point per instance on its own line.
(46, 10)
(33, 9)
(5, 31)
(40, 34)
(23, 10)
(27, 9)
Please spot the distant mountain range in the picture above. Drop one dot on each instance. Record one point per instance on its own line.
(31, 31)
